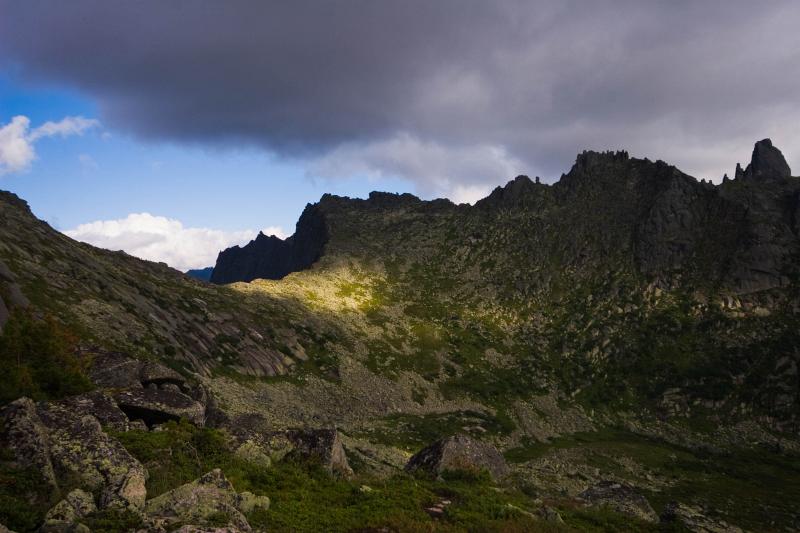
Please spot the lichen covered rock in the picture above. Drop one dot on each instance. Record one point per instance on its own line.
(459, 452)
(66, 513)
(621, 498)
(324, 445)
(64, 443)
(211, 495)
(156, 406)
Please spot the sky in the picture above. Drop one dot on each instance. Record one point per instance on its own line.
(175, 129)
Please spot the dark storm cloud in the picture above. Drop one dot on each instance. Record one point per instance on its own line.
(364, 85)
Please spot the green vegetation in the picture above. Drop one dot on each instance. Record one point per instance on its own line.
(750, 487)
(24, 496)
(38, 356)
(305, 497)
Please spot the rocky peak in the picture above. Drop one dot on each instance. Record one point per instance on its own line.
(767, 162)
(589, 160)
(513, 192)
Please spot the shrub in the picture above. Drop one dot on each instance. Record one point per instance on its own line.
(38, 355)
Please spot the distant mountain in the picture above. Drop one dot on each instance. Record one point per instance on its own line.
(203, 274)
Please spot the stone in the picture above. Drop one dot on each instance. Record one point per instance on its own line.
(26, 435)
(548, 514)
(621, 498)
(80, 449)
(152, 372)
(693, 519)
(324, 445)
(459, 452)
(254, 454)
(64, 515)
(196, 502)
(114, 370)
(156, 406)
(60, 441)
(249, 502)
(102, 406)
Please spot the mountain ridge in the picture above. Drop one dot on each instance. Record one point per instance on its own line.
(589, 330)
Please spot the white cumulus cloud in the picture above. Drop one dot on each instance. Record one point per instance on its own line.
(17, 139)
(159, 238)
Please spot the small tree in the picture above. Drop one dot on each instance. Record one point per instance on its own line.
(39, 358)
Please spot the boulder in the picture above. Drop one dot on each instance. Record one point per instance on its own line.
(253, 453)
(621, 498)
(159, 374)
(459, 452)
(114, 370)
(24, 433)
(80, 449)
(64, 443)
(118, 370)
(102, 406)
(196, 502)
(693, 519)
(323, 445)
(156, 406)
(66, 513)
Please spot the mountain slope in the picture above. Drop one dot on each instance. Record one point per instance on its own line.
(590, 329)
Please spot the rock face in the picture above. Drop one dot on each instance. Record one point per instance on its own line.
(621, 498)
(268, 257)
(767, 162)
(67, 444)
(145, 390)
(323, 445)
(459, 452)
(196, 502)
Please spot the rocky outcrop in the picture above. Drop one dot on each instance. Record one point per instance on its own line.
(621, 498)
(268, 257)
(101, 405)
(693, 519)
(766, 162)
(156, 406)
(207, 497)
(323, 445)
(68, 444)
(64, 516)
(143, 390)
(459, 452)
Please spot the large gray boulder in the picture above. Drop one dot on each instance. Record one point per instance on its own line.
(146, 390)
(459, 452)
(621, 498)
(101, 405)
(196, 502)
(324, 445)
(156, 406)
(67, 444)
(64, 516)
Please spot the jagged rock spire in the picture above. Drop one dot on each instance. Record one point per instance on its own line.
(766, 162)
